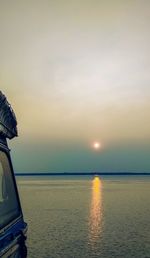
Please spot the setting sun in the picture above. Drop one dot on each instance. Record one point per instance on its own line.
(96, 145)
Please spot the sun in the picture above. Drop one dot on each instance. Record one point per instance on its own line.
(96, 145)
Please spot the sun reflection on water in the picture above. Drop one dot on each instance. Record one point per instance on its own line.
(95, 222)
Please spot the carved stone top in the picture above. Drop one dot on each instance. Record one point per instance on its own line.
(8, 122)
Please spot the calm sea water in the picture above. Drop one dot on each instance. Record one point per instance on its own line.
(75, 217)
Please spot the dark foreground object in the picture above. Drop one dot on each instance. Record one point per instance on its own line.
(12, 226)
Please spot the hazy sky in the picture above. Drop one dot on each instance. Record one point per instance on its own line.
(77, 72)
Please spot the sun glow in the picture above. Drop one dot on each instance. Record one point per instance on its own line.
(96, 145)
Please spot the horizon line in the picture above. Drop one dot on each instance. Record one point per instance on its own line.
(80, 173)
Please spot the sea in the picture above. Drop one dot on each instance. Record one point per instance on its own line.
(86, 216)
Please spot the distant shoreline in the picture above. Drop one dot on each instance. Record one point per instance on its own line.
(86, 174)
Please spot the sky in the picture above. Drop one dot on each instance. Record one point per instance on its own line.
(77, 72)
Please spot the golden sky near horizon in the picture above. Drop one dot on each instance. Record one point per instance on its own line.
(77, 71)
